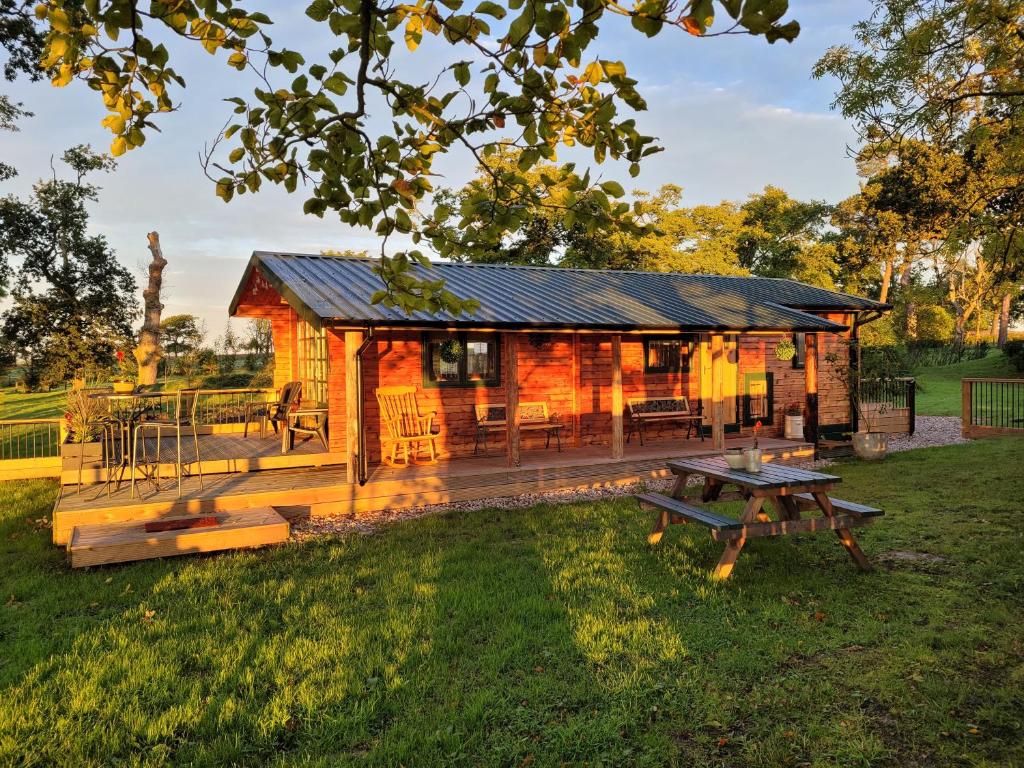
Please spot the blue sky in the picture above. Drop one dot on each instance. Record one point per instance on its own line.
(734, 114)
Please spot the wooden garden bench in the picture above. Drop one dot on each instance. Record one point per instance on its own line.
(643, 410)
(533, 417)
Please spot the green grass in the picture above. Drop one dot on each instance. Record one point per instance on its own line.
(938, 387)
(546, 636)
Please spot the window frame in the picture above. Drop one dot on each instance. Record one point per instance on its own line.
(463, 382)
(313, 362)
(687, 346)
(800, 356)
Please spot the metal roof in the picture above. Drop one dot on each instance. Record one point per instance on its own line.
(337, 290)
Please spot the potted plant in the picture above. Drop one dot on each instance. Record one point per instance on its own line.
(868, 444)
(794, 421)
(753, 455)
(122, 385)
(81, 446)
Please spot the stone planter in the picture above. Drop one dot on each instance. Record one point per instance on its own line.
(871, 446)
(795, 427)
(90, 454)
(754, 459)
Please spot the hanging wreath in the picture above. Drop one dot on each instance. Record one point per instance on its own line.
(452, 351)
(785, 350)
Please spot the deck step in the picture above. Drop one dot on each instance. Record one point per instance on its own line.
(103, 543)
(833, 449)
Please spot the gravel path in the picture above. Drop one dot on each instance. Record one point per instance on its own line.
(931, 431)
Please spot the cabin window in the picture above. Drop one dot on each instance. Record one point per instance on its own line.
(461, 360)
(667, 355)
(313, 365)
(800, 342)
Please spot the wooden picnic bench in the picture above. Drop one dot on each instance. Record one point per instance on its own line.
(644, 410)
(790, 490)
(533, 417)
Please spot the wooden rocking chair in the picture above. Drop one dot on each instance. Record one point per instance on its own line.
(406, 426)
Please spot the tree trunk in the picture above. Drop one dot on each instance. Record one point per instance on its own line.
(148, 352)
(883, 295)
(1004, 320)
(909, 307)
(995, 326)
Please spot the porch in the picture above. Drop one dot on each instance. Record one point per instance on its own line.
(323, 490)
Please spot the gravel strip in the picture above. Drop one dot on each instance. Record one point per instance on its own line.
(931, 431)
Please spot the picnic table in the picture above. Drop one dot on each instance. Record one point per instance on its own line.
(789, 490)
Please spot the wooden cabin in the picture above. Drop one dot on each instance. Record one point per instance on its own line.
(585, 343)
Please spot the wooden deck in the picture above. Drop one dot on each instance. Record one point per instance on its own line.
(323, 490)
(221, 453)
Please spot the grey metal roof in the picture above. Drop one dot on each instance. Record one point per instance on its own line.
(338, 290)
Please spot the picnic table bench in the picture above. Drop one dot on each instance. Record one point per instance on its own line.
(790, 490)
(533, 417)
(644, 410)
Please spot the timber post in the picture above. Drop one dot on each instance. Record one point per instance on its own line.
(353, 340)
(811, 386)
(717, 390)
(618, 441)
(512, 415)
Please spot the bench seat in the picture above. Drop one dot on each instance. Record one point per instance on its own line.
(533, 417)
(644, 410)
(695, 514)
(806, 501)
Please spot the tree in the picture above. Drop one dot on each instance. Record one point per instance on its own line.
(259, 340)
(524, 77)
(947, 74)
(21, 38)
(182, 334)
(784, 237)
(148, 353)
(72, 302)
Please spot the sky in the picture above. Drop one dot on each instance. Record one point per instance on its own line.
(733, 113)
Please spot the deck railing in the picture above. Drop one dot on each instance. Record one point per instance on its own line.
(891, 401)
(29, 439)
(217, 407)
(993, 407)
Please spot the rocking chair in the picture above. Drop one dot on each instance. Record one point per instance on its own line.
(406, 426)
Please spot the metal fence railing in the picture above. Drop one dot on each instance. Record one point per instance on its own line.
(215, 406)
(29, 439)
(993, 407)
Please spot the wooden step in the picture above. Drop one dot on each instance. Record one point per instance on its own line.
(103, 543)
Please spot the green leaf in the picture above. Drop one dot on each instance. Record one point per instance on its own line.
(319, 10)
(491, 9)
(461, 72)
(336, 83)
(613, 188)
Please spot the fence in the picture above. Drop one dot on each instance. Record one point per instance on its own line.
(218, 410)
(993, 407)
(888, 404)
(29, 448)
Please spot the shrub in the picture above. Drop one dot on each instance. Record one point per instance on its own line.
(935, 324)
(1014, 351)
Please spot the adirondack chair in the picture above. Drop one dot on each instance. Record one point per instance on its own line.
(406, 426)
(274, 412)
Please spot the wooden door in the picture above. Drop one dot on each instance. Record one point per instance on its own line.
(730, 383)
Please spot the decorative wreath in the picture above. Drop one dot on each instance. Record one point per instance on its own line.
(785, 350)
(452, 351)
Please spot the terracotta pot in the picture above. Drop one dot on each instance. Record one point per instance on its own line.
(795, 427)
(871, 446)
(124, 387)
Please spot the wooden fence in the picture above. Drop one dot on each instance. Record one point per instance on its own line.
(888, 404)
(993, 407)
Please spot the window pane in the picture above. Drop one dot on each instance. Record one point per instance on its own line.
(481, 359)
(440, 369)
(664, 354)
(800, 342)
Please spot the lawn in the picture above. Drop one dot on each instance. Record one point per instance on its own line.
(545, 636)
(938, 387)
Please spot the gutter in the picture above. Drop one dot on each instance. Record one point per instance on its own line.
(361, 463)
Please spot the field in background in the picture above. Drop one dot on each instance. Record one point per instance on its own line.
(939, 389)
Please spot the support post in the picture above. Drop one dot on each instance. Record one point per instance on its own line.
(353, 340)
(811, 386)
(512, 415)
(618, 441)
(717, 390)
(965, 407)
(577, 438)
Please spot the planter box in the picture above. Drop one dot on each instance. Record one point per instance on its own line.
(90, 455)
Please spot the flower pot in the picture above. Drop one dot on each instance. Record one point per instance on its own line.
(89, 454)
(795, 427)
(124, 387)
(753, 458)
(871, 446)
